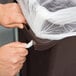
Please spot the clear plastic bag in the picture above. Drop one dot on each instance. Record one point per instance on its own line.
(50, 19)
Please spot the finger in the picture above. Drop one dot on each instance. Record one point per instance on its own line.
(21, 26)
(16, 44)
(21, 61)
(18, 48)
(17, 69)
(19, 66)
(22, 52)
(17, 59)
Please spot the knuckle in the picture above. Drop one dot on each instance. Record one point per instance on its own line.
(14, 61)
(14, 6)
(21, 67)
(26, 52)
(24, 60)
(13, 67)
(13, 73)
(17, 43)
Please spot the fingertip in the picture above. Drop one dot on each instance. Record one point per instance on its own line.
(21, 26)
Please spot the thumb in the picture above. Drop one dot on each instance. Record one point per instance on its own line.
(15, 25)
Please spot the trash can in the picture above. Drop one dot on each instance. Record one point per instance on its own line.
(56, 58)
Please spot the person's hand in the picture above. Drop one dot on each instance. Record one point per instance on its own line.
(12, 57)
(11, 15)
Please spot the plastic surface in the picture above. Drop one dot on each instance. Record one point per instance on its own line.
(50, 19)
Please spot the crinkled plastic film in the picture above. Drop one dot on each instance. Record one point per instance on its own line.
(50, 19)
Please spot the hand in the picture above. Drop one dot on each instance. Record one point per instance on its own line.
(11, 15)
(12, 57)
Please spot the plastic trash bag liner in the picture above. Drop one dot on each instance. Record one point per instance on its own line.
(50, 19)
